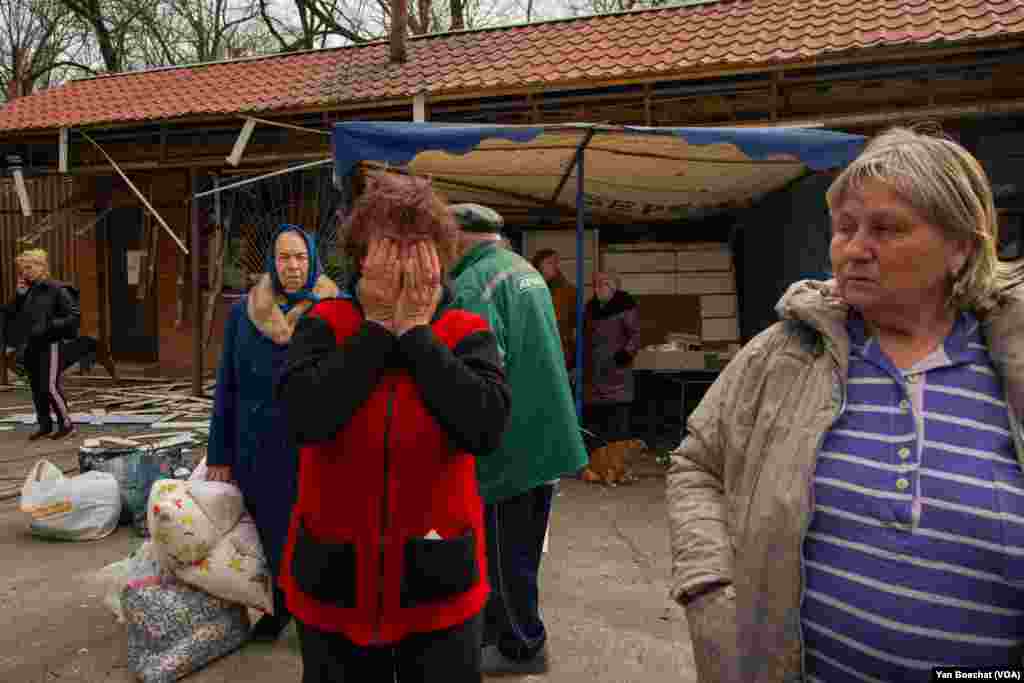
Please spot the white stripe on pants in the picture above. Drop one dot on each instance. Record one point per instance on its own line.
(56, 398)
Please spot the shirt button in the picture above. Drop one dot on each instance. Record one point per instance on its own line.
(904, 404)
(902, 484)
(904, 453)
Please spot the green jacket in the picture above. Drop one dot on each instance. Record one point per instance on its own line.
(543, 440)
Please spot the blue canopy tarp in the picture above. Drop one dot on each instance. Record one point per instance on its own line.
(628, 173)
(648, 174)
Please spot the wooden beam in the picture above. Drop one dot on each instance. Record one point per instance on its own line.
(241, 142)
(62, 151)
(103, 277)
(22, 192)
(648, 118)
(142, 197)
(202, 162)
(282, 124)
(196, 314)
(896, 115)
(775, 96)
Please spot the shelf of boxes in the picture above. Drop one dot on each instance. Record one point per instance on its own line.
(703, 269)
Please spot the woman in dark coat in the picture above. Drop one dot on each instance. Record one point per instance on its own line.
(249, 441)
(612, 338)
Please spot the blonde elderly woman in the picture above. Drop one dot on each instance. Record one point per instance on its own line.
(847, 504)
(44, 313)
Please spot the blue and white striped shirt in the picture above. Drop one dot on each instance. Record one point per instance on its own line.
(915, 549)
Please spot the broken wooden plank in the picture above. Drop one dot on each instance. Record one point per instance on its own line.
(119, 441)
(179, 425)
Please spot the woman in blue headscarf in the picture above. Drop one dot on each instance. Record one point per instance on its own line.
(249, 442)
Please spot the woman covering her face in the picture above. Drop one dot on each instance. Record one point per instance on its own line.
(391, 396)
(249, 440)
(848, 503)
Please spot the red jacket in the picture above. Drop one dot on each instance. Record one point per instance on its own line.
(386, 428)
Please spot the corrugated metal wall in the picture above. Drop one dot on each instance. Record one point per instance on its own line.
(50, 227)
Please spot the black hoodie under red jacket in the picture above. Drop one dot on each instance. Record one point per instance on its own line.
(388, 428)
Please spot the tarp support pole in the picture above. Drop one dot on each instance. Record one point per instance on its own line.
(587, 137)
(580, 285)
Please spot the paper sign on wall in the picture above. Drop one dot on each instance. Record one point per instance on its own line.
(134, 266)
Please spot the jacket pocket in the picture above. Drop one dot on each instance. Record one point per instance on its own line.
(436, 569)
(324, 571)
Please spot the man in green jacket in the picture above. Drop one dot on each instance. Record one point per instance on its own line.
(541, 444)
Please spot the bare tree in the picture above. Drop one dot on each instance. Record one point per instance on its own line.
(311, 24)
(114, 25)
(585, 7)
(37, 45)
(194, 31)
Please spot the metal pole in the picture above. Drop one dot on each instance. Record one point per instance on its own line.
(197, 318)
(580, 284)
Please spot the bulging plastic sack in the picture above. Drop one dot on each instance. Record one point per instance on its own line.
(188, 518)
(236, 570)
(81, 508)
(174, 629)
(114, 578)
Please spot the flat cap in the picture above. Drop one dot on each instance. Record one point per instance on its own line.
(477, 218)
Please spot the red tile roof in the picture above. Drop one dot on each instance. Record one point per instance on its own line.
(728, 33)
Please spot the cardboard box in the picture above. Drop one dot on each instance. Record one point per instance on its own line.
(678, 360)
(569, 270)
(640, 261)
(719, 329)
(649, 283)
(706, 283)
(718, 305)
(700, 260)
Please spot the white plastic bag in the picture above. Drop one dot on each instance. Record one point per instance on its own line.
(236, 570)
(114, 578)
(82, 508)
(188, 518)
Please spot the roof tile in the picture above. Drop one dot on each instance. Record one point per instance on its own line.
(724, 33)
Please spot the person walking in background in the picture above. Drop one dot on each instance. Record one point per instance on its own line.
(543, 441)
(394, 396)
(563, 295)
(48, 313)
(249, 439)
(847, 503)
(611, 334)
(12, 323)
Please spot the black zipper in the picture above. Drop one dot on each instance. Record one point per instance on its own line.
(384, 516)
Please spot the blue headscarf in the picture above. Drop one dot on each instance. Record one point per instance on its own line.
(306, 293)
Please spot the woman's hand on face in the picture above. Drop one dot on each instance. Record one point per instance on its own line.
(421, 288)
(218, 473)
(381, 281)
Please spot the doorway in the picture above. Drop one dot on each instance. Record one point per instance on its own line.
(133, 320)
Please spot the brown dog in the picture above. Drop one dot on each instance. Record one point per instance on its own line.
(610, 464)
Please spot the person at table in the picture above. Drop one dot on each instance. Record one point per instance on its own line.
(611, 334)
(848, 503)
